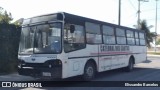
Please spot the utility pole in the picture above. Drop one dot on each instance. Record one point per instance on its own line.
(156, 27)
(119, 16)
(138, 22)
(139, 11)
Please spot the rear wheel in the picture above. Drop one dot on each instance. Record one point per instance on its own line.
(89, 71)
(130, 65)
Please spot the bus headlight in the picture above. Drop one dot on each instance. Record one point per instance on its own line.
(52, 63)
(21, 63)
(19, 66)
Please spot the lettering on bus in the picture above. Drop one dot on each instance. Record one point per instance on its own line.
(104, 48)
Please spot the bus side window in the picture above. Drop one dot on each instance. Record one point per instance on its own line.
(108, 35)
(130, 37)
(121, 37)
(93, 33)
(142, 39)
(136, 38)
(74, 41)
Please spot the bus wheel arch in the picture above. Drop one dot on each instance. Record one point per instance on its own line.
(131, 63)
(90, 70)
(132, 59)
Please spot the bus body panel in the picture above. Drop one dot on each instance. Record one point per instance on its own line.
(77, 59)
(72, 63)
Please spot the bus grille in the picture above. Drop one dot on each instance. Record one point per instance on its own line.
(35, 65)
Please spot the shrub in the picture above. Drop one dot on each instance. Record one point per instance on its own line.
(9, 40)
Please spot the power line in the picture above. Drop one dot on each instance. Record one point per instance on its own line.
(132, 5)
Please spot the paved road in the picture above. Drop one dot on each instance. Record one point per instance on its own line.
(147, 71)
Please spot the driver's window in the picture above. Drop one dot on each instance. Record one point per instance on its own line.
(74, 41)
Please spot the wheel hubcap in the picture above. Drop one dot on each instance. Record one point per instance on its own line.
(90, 71)
(131, 65)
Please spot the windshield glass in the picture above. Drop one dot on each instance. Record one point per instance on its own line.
(26, 40)
(44, 38)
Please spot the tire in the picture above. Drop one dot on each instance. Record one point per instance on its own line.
(130, 66)
(89, 71)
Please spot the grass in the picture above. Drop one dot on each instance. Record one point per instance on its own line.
(154, 53)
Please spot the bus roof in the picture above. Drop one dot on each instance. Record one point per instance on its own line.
(71, 18)
(75, 19)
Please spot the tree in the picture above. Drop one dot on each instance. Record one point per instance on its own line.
(19, 22)
(9, 40)
(5, 17)
(149, 35)
(158, 42)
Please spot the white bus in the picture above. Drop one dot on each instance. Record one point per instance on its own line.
(63, 45)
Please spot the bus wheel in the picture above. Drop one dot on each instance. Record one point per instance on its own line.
(130, 65)
(89, 71)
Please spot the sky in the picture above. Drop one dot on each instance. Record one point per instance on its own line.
(103, 10)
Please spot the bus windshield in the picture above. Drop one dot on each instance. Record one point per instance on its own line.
(41, 39)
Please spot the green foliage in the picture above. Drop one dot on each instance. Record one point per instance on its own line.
(9, 39)
(158, 42)
(5, 17)
(149, 35)
(18, 22)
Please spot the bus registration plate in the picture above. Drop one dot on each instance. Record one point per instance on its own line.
(46, 73)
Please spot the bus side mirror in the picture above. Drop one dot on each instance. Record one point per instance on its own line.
(72, 28)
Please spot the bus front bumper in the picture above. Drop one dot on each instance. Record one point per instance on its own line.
(55, 72)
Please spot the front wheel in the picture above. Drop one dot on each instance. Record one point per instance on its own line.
(89, 71)
(130, 65)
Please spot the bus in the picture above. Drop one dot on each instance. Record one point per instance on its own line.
(62, 45)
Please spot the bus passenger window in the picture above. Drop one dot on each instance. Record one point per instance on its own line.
(130, 37)
(142, 39)
(74, 41)
(136, 38)
(121, 37)
(93, 33)
(108, 35)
